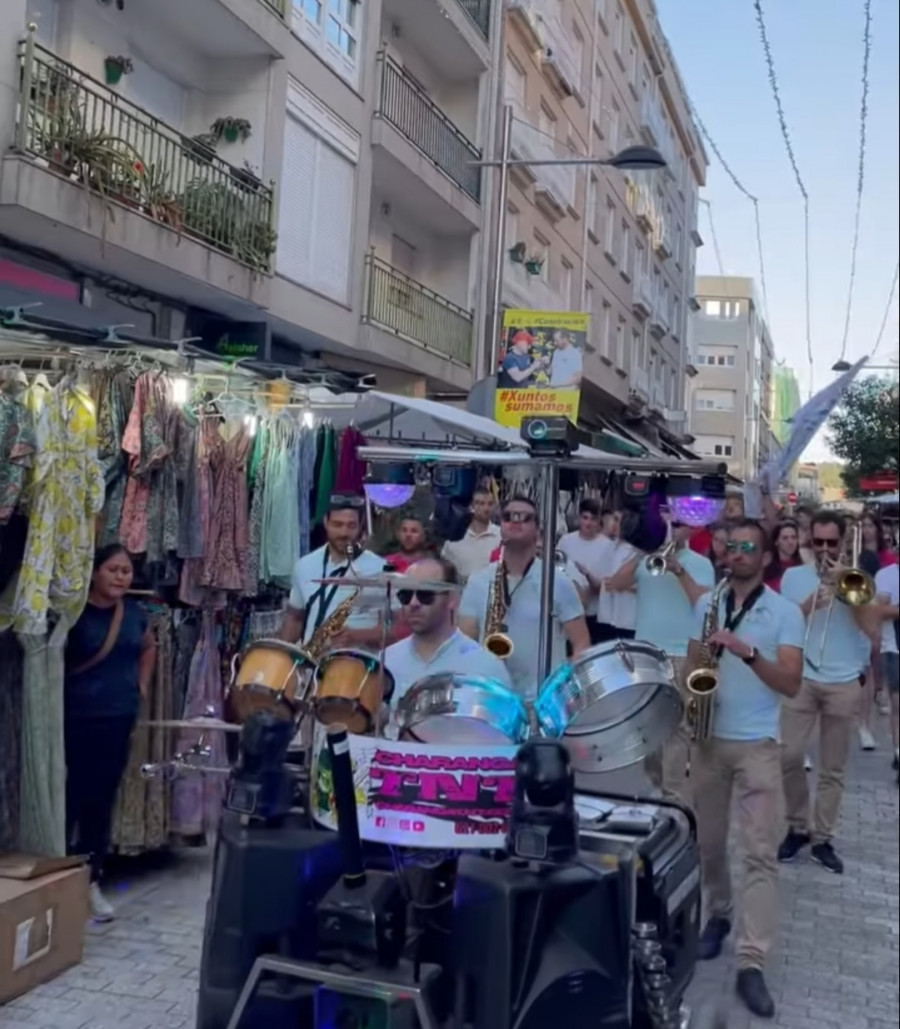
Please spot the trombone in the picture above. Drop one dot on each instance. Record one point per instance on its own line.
(853, 587)
(657, 563)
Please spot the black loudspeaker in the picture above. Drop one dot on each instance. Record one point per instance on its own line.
(266, 885)
(540, 948)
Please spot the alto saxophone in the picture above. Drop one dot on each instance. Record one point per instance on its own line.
(703, 683)
(320, 642)
(496, 639)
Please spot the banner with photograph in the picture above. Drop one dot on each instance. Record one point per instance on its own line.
(540, 367)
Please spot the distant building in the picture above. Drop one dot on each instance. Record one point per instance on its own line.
(731, 396)
(785, 401)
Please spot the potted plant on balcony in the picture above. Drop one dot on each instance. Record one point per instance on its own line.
(230, 129)
(534, 265)
(517, 253)
(114, 67)
(202, 146)
(247, 176)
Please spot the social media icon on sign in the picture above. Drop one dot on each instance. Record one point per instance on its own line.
(404, 825)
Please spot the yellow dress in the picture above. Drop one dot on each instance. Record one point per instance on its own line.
(63, 495)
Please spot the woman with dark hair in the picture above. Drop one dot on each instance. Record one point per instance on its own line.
(875, 554)
(718, 548)
(110, 655)
(785, 553)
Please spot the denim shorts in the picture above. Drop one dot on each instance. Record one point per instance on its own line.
(890, 671)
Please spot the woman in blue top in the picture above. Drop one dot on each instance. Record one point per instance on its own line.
(110, 655)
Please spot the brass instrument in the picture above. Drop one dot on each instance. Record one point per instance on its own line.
(853, 587)
(496, 639)
(657, 564)
(320, 642)
(703, 683)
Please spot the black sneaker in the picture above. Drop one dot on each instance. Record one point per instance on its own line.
(713, 936)
(792, 844)
(751, 988)
(824, 854)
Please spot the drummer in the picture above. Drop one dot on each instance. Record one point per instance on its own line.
(435, 644)
(311, 603)
(521, 582)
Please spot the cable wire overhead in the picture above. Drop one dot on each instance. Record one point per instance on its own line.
(789, 147)
(861, 167)
(887, 310)
(715, 238)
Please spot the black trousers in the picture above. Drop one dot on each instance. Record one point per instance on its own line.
(96, 757)
(603, 632)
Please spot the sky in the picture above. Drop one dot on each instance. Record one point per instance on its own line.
(817, 46)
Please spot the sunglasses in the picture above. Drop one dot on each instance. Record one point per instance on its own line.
(339, 501)
(425, 597)
(517, 516)
(819, 542)
(744, 547)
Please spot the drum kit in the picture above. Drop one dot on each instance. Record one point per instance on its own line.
(612, 705)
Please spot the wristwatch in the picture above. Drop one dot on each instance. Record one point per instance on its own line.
(751, 657)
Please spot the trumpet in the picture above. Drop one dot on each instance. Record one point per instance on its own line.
(657, 563)
(853, 587)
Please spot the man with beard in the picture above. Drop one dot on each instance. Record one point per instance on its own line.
(759, 647)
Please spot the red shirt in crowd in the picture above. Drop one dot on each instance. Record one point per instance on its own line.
(701, 541)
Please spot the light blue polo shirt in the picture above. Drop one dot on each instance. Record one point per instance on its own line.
(746, 709)
(846, 651)
(458, 654)
(665, 616)
(523, 619)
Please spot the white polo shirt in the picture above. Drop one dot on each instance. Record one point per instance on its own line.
(318, 565)
(457, 654)
(473, 551)
(595, 554)
(564, 366)
(887, 582)
(523, 619)
(620, 608)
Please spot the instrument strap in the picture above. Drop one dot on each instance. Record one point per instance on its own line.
(324, 600)
(732, 618)
(507, 595)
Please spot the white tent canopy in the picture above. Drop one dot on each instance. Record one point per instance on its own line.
(411, 421)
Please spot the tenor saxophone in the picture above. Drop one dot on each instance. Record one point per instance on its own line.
(320, 642)
(703, 683)
(496, 639)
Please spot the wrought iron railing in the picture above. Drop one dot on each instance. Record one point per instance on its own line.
(480, 12)
(398, 303)
(424, 124)
(86, 132)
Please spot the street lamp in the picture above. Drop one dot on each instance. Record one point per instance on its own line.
(632, 158)
(845, 366)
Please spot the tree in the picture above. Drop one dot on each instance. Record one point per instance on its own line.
(863, 430)
(830, 475)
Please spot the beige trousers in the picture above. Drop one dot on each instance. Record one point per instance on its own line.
(750, 773)
(667, 769)
(835, 706)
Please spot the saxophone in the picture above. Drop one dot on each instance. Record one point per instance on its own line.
(496, 640)
(320, 642)
(703, 682)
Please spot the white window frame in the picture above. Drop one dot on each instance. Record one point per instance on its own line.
(315, 35)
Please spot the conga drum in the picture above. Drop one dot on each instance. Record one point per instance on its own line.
(271, 676)
(350, 686)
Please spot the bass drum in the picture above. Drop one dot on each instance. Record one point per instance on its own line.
(464, 709)
(613, 705)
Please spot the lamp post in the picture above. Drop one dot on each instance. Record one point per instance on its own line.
(632, 158)
(845, 366)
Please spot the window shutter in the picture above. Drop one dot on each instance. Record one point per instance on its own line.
(333, 231)
(295, 211)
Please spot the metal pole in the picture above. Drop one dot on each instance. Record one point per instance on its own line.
(489, 348)
(548, 569)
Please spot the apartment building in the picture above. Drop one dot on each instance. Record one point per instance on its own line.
(731, 397)
(589, 78)
(300, 169)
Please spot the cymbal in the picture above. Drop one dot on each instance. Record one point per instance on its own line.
(200, 724)
(386, 580)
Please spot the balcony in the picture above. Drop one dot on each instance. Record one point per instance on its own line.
(662, 239)
(558, 55)
(644, 210)
(642, 298)
(85, 134)
(399, 304)
(554, 185)
(659, 322)
(480, 13)
(414, 114)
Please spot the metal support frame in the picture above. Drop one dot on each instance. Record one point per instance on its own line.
(387, 984)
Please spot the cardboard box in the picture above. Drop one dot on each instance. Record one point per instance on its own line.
(42, 923)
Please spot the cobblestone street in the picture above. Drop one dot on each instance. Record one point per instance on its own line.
(836, 966)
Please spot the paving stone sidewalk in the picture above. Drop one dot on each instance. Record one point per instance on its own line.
(836, 966)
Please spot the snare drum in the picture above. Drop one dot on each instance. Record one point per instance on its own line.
(448, 708)
(613, 705)
(350, 686)
(272, 676)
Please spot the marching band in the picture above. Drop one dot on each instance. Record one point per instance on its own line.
(778, 663)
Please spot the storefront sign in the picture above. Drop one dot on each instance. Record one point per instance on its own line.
(421, 795)
(541, 363)
(880, 482)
